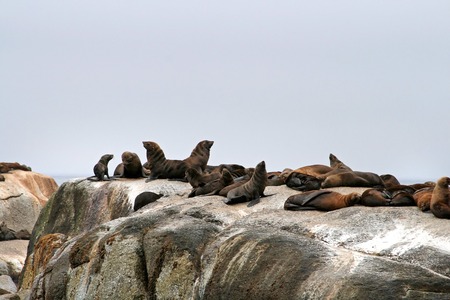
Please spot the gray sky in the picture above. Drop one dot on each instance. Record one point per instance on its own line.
(287, 82)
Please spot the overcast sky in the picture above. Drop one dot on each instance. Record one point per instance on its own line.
(287, 82)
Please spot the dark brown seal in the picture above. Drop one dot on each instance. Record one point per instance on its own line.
(313, 170)
(131, 166)
(160, 167)
(389, 180)
(101, 168)
(440, 199)
(213, 187)
(200, 155)
(252, 190)
(236, 170)
(303, 182)
(145, 198)
(395, 196)
(321, 200)
(196, 179)
(5, 167)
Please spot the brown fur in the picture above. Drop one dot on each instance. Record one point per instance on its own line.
(160, 167)
(422, 198)
(252, 189)
(101, 168)
(235, 169)
(320, 200)
(440, 199)
(213, 187)
(313, 170)
(131, 166)
(389, 180)
(5, 167)
(200, 155)
(395, 196)
(196, 179)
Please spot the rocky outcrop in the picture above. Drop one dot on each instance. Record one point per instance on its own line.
(87, 242)
(22, 196)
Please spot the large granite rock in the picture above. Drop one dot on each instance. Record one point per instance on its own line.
(22, 196)
(87, 242)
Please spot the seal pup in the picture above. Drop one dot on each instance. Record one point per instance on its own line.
(162, 168)
(252, 190)
(213, 187)
(101, 168)
(235, 169)
(320, 200)
(145, 198)
(196, 179)
(274, 178)
(131, 166)
(200, 155)
(440, 199)
(422, 198)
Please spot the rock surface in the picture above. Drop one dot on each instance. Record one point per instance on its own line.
(87, 242)
(22, 196)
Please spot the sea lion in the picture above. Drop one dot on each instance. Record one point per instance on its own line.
(196, 179)
(440, 199)
(313, 170)
(303, 182)
(101, 168)
(321, 200)
(395, 196)
(5, 167)
(422, 198)
(131, 166)
(200, 155)
(145, 198)
(274, 178)
(352, 179)
(162, 168)
(235, 169)
(389, 180)
(252, 190)
(213, 187)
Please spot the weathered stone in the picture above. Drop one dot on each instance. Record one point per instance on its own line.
(200, 248)
(7, 285)
(12, 258)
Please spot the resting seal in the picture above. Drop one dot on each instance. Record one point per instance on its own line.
(235, 169)
(394, 196)
(440, 199)
(131, 166)
(321, 200)
(5, 167)
(252, 189)
(145, 198)
(213, 187)
(160, 167)
(303, 182)
(200, 155)
(196, 179)
(101, 168)
(422, 198)
(389, 180)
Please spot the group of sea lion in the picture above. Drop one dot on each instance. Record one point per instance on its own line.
(240, 184)
(6, 167)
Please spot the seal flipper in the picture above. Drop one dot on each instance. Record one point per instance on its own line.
(305, 198)
(254, 202)
(300, 201)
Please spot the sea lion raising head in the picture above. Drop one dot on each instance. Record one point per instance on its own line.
(160, 167)
(101, 168)
(200, 155)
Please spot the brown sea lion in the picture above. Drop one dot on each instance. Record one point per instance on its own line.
(5, 167)
(200, 155)
(252, 190)
(162, 168)
(303, 182)
(237, 182)
(394, 196)
(422, 198)
(145, 198)
(274, 178)
(235, 169)
(313, 170)
(213, 187)
(320, 200)
(389, 180)
(352, 179)
(101, 168)
(440, 199)
(131, 166)
(196, 179)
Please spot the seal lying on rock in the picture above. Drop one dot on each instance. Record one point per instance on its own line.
(440, 199)
(145, 198)
(252, 190)
(422, 197)
(213, 187)
(101, 168)
(394, 196)
(5, 167)
(196, 179)
(321, 200)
